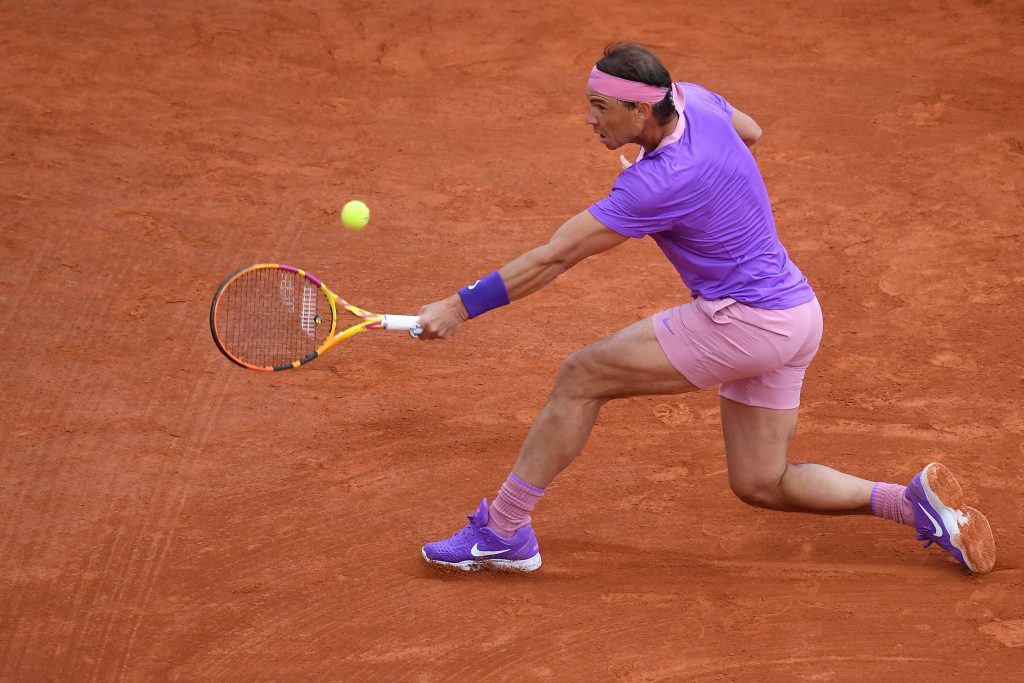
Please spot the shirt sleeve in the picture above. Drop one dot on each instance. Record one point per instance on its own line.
(630, 209)
(714, 100)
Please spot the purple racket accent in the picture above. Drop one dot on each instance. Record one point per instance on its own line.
(293, 269)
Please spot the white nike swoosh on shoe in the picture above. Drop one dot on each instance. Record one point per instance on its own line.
(938, 527)
(476, 552)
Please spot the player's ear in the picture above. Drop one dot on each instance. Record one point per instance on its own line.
(643, 111)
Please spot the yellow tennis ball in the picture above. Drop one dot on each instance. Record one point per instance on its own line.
(355, 215)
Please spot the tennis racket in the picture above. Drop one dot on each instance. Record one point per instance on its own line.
(274, 317)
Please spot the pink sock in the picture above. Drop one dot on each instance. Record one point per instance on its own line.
(889, 501)
(511, 509)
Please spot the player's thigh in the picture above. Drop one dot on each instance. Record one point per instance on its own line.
(629, 363)
(756, 442)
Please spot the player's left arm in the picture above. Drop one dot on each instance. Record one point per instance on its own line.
(746, 127)
(579, 237)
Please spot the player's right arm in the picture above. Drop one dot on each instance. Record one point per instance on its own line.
(579, 237)
(746, 127)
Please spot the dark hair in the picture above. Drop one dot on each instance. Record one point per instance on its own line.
(636, 63)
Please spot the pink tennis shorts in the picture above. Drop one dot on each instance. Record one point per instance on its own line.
(758, 356)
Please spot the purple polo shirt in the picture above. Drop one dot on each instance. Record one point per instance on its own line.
(701, 197)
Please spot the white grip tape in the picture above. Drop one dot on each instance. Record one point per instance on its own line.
(402, 322)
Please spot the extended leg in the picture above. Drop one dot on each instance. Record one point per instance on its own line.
(756, 442)
(629, 363)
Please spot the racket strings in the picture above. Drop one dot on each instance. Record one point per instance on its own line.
(269, 317)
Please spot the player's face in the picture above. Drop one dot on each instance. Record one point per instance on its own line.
(614, 123)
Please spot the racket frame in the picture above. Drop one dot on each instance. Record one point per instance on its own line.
(370, 321)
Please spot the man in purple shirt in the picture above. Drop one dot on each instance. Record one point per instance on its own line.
(753, 326)
(699, 194)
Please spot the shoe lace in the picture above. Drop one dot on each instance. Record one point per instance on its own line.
(463, 532)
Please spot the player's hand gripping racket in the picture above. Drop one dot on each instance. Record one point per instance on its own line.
(273, 317)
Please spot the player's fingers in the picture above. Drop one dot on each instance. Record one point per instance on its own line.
(433, 331)
(443, 330)
(427, 332)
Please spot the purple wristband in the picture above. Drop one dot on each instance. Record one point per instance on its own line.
(484, 294)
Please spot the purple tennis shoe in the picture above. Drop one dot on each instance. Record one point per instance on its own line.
(477, 547)
(941, 516)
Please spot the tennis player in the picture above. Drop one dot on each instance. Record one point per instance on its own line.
(752, 325)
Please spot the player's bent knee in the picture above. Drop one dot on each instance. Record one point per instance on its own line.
(759, 493)
(574, 374)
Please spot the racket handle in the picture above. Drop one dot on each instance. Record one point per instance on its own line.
(402, 322)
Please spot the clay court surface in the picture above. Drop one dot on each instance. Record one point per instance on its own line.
(165, 515)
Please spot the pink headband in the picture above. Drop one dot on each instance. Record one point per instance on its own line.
(623, 89)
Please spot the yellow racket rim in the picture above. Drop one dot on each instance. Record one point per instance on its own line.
(218, 333)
